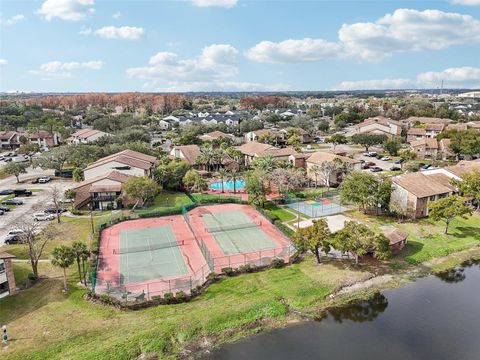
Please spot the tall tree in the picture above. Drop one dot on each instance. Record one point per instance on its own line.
(194, 181)
(141, 189)
(63, 257)
(392, 147)
(81, 253)
(336, 139)
(368, 140)
(257, 187)
(449, 208)
(327, 168)
(287, 180)
(13, 168)
(55, 159)
(314, 238)
(470, 186)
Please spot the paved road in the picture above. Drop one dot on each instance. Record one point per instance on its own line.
(385, 165)
(39, 201)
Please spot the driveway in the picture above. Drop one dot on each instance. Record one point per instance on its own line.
(39, 201)
(385, 165)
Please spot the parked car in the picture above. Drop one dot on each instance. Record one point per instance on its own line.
(400, 161)
(44, 179)
(395, 168)
(15, 232)
(365, 167)
(43, 217)
(371, 154)
(54, 211)
(22, 192)
(4, 208)
(20, 159)
(424, 167)
(385, 158)
(66, 173)
(12, 202)
(376, 169)
(6, 192)
(13, 239)
(370, 164)
(2, 212)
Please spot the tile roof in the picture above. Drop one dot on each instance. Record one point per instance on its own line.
(254, 148)
(5, 255)
(420, 184)
(429, 143)
(459, 127)
(426, 120)
(215, 135)
(279, 152)
(464, 167)
(393, 234)
(123, 159)
(190, 152)
(435, 127)
(112, 175)
(417, 131)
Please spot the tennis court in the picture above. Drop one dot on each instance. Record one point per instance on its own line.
(149, 253)
(316, 208)
(236, 233)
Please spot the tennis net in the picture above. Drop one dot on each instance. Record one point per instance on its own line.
(223, 228)
(151, 247)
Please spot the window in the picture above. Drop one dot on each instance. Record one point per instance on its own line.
(2, 268)
(4, 287)
(432, 198)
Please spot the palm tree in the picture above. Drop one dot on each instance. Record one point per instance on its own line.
(81, 254)
(223, 174)
(63, 256)
(209, 157)
(234, 175)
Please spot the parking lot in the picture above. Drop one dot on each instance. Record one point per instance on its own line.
(38, 202)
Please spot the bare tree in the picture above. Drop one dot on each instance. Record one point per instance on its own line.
(56, 197)
(35, 240)
(328, 168)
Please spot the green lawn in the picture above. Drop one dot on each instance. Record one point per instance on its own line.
(426, 239)
(44, 323)
(167, 199)
(279, 212)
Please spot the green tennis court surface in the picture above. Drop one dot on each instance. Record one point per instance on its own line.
(149, 253)
(245, 239)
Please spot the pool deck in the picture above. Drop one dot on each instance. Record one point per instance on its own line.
(241, 194)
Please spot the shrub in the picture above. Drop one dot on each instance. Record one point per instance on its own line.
(181, 296)
(277, 263)
(228, 271)
(157, 297)
(169, 298)
(247, 268)
(296, 258)
(211, 277)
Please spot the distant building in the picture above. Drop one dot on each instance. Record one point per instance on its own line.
(214, 135)
(86, 136)
(378, 125)
(277, 136)
(319, 157)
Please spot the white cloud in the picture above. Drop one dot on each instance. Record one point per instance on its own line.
(58, 69)
(69, 10)
(213, 70)
(375, 84)
(216, 62)
(112, 32)
(117, 15)
(404, 30)
(12, 20)
(460, 77)
(217, 3)
(466, 2)
(452, 77)
(3, 62)
(290, 51)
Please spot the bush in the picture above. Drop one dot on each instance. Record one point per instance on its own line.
(228, 271)
(295, 258)
(157, 297)
(277, 263)
(211, 277)
(169, 298)
(285, 229)
(181, 296)
(247, 268)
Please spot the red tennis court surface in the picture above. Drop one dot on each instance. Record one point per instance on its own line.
(200, 250)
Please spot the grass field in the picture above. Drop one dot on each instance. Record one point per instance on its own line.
(279, 212)
(64, 326)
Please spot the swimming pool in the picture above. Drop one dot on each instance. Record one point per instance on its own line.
(228, 185)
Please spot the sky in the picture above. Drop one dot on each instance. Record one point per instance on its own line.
(237, 45)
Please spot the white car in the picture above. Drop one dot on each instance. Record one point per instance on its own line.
(43, 217)
(44, 179)
(385, 158)
(15, 232)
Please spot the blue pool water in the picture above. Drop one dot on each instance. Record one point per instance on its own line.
(228, 185)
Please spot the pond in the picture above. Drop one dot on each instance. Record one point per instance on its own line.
(228, 185)
(433, 318)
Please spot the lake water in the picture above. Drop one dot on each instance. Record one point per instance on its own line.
(434, 318)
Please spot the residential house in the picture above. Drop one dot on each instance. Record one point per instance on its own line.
(103, 192)
(253, 149)
(413, 192)
(417, 120)
(188, 153)
(458, 127)
(378, 125)
(214, 135)
(86, 136)
(8, 139)
(127, 162)
(433, 129)
(318, 158)
(42, 138)
(425, 148)
(444, 149)
(305, 136)
(201, 118)
(7, 277)
(277, 136)
(415, 134)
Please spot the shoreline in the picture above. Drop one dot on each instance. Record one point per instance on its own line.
(345, 294)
